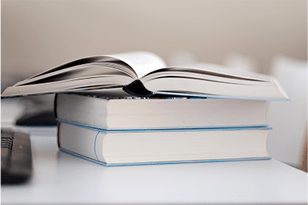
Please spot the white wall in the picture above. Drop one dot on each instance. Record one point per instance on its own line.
(288, 119)
(40, 34)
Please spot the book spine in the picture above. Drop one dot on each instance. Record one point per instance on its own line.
(136, 88)
(86, 142)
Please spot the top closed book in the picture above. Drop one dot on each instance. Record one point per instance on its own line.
(145, 74)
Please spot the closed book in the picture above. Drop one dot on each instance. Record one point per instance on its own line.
(138, 147)
(148, 113)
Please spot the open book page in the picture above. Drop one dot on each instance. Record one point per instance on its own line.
(228, 71)
(142, 62)
(80, 71)
(89, 73)
(212, 80)
(134, 64)
(80, 84)
(196, 73)
(61, 69)
(205, 88)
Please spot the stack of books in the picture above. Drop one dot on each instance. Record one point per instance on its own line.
(130, 109)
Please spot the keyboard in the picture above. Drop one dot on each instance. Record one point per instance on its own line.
(16, 157)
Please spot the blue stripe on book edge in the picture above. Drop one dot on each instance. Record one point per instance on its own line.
(96, 128)
(161, 163)
(220, 96)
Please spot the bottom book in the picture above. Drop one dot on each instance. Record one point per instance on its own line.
(140, 147)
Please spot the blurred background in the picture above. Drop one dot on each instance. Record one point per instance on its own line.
(265, 36)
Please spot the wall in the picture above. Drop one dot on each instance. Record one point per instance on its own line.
(37, 35)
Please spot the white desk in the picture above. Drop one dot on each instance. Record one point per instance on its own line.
(65, 179)
(62, 178)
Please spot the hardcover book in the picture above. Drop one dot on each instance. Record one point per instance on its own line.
(155, 113)
(117, 148)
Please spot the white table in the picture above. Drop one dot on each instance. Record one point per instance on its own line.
(62, 178)
(59, 178)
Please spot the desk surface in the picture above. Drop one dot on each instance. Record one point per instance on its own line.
(65, 179)
(62, 178)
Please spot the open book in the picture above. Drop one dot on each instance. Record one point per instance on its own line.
(145, 74)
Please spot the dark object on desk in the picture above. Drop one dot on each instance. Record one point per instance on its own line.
(16, 157)
(37, 119)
